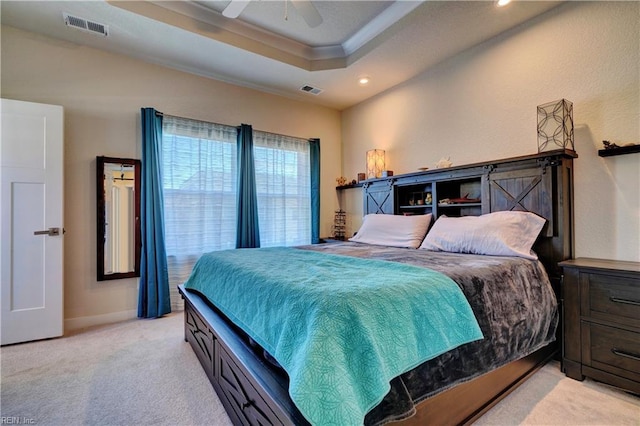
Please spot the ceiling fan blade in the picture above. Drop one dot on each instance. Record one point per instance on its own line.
(235, 8)
(308, 12)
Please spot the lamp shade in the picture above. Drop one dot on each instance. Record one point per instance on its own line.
(375, 163)
(555, 126)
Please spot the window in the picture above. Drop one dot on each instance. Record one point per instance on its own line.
(199, 174)
(199, 181)
(283, 184)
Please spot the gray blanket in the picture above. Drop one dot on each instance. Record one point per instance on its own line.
(512, 300)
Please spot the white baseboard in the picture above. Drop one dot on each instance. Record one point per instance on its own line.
(71, 324)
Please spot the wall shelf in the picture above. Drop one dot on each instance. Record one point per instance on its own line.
(619, 151)
(355, 185)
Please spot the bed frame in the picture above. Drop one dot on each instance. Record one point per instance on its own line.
(254, 392)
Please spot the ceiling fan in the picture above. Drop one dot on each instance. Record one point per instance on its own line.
(304, 7)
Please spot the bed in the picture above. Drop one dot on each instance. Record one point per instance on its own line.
(514, 300)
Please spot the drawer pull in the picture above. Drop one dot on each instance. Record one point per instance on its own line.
(626, 354)
(625, 301)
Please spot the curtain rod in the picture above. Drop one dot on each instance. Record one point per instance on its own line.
(237, 127)
(195, 119)
(286, 136)
(156, 112)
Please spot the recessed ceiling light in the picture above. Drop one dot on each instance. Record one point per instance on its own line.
(501, 3)
(363, 80)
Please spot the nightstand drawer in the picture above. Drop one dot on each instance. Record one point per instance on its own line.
(601, 321)
(611, 349)
(612, 298)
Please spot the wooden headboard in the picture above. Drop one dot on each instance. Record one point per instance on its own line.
(540, 183)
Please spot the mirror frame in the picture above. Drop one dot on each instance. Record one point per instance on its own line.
(101, 215)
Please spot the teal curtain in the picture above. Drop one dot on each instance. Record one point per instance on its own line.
(153, 297)
(314, 157)
(247, 228)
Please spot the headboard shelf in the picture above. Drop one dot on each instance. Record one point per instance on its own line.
(539, 183)
(458, 171)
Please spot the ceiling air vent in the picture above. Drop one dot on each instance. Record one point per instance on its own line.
(85, 25)
(311, 89)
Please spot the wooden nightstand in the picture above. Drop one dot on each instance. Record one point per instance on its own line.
(601, 318)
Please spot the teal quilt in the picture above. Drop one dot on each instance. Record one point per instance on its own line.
(341, 327)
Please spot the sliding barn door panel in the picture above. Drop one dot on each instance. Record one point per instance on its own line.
(527, 190)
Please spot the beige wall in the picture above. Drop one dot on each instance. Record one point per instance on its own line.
(481, 105)
(102, 94)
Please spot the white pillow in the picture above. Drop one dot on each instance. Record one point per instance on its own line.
(507, 233)
(393, 230)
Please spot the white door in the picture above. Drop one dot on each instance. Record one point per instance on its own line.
(31, 210)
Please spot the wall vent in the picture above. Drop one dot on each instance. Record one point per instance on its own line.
(85, 25)
(311, 89)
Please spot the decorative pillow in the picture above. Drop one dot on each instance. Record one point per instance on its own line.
(508, 233)
(393, 230)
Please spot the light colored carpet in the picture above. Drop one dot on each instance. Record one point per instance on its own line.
(551, 398)
(138, 372)
(142, 372)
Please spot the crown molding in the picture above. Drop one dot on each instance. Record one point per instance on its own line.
(379, 24)
(196, 18)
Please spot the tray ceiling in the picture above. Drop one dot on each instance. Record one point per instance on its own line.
(269, 47)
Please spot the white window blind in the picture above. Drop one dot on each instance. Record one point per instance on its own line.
(283, 184)
(199, 182)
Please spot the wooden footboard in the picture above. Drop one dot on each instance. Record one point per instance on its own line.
(252, 392)
(255, 393)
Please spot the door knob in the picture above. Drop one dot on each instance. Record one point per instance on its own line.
(52, 232)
